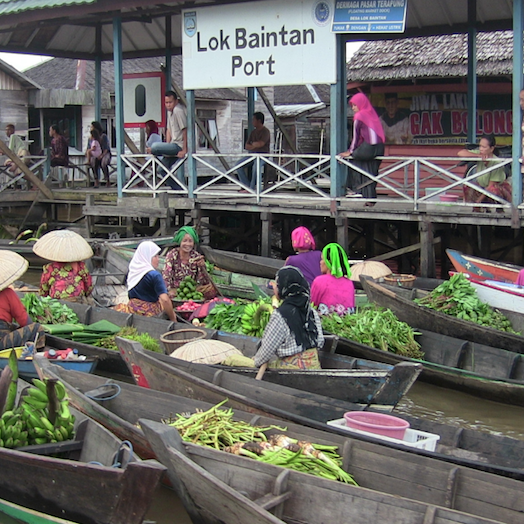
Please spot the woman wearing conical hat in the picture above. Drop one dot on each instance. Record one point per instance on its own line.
(333, 291)
(66, 276)
(16, 327)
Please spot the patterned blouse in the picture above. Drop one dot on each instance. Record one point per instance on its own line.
(63, 280)
(175, 270)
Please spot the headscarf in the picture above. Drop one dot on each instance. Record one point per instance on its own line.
(183, 231)
(153, 128)
(140, 264)
(301, 238)
(336, 260)
(367, 115)
(293, 289)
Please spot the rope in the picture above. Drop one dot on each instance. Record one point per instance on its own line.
(115, 387)
(119, 455)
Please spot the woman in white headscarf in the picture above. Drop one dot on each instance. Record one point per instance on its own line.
(146, 288)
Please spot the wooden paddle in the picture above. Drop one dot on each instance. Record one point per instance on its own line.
(261, 371)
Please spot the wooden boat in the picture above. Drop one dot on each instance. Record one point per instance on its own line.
(28, 516)
(484, 371)
(459, 445)
(400, 301)
(375, 467)
(258, 266)
(482, 268)
(354, 380)
(27, 371)
(220, 487)
(73, 486)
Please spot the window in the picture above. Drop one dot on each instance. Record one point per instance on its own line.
(209, 119)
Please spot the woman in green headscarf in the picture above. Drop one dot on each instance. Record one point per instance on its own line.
(185, 260)
(333, 291)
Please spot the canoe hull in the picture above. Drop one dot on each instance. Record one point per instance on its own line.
(27, 371)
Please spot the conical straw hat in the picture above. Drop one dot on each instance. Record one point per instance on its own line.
(63, 246)
(369, 268)
(205, 351)
(12, 266)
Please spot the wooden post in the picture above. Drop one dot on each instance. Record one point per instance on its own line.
(265, 248)
(427, 252)
(342, 232)
(28, 174)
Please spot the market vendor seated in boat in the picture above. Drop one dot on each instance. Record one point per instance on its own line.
(146, 288)
(293, 334)
(66, 277)
(307, 258)
(12, 267)
(185, 260)
(333, 291)
(495, 181)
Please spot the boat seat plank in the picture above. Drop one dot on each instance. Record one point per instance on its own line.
(54, 448)
(488, 361)
(269, 501)
(429, 517)
(445, 350)
(516, 370)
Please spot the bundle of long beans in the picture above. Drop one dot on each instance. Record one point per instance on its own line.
(375, 327)
(216, 428)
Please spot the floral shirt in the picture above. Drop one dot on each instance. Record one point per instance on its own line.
(62, 280)
(175, 270)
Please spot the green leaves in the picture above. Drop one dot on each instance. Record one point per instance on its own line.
(375, 327)
(458, 298)
(47, 310)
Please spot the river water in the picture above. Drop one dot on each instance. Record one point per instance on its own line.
(423, 400)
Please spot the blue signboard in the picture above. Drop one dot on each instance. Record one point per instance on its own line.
(370, 16)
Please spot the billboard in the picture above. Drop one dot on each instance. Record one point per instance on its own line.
(429, 118)
(259, 44)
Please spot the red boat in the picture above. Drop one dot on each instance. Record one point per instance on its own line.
(483, 269)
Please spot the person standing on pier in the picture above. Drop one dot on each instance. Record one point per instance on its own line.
(258, 142)
(59, 147)
(367, 144)
(175, 147)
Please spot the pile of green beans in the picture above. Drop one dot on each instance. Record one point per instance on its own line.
(375, 327)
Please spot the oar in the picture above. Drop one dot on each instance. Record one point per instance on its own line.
(261, 371)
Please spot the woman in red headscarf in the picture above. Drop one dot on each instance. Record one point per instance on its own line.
(307, 258)
(367, 144)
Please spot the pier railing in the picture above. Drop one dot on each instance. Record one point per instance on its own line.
(412, 181)
(10, 180)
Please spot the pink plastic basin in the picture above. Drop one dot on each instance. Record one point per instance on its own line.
(378, 423)
(448, 198)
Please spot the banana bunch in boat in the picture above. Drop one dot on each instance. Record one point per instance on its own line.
(42, 423)
(187, 290)
(255, 317)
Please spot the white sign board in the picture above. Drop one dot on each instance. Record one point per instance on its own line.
(143, 99)
(370, 16)
(259, 44)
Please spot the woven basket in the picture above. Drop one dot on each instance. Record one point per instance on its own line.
(400, 280)
(174, 339)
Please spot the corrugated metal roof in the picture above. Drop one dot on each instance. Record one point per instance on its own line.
(13, 7)
(293, 110)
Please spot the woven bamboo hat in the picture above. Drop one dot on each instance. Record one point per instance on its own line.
(12, 267)
(62, 246)
(205, 351)
(369, 268)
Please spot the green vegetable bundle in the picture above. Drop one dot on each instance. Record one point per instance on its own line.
(131, 333)
(458, 298)
(216, 428)
(375, 327)
(47, 310)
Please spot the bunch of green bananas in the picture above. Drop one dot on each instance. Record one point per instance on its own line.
(255, 318)
(30, 422)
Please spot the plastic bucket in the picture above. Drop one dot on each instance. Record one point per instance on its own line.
(378, 423)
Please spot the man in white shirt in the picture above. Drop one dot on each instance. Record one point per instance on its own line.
(16, 145)
(175, 146)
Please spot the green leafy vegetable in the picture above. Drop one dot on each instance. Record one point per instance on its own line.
(375, 327)
(47, 310)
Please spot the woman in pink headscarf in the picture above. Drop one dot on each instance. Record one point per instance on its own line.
(367, 144)
(307, 258)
